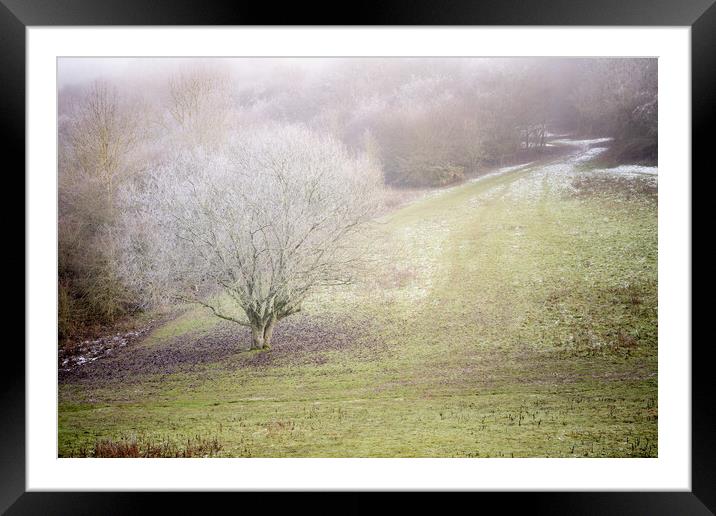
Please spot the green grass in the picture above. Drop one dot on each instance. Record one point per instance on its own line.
(514, 318)
(195, 318)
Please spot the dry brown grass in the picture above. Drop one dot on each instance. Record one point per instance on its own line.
(133, 447)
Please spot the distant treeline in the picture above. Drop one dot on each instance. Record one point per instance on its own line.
(423, 122)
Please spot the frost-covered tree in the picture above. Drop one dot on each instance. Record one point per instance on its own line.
(250, 231)
(199, 104)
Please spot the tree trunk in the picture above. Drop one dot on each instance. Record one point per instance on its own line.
(257, 337)
(268, 332)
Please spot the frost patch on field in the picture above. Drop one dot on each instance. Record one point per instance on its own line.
(448, 189)
(589, 154)
(648, 175)
(401, 269)
(504, 170)
(552, 178)
(526, 188)
(500, 171)
(557, 178)
(626, 170)
(411, 263)
(426, 244)
(488, 195)
(581, 143)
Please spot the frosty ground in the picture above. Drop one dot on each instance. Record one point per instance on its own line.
(513, 315)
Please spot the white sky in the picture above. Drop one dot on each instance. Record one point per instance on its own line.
(77, 70)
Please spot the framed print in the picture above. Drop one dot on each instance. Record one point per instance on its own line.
(436, 250)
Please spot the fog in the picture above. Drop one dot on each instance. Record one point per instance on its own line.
(134, 124)
(339, 257)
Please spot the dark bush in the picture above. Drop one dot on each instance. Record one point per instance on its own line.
(638, 151)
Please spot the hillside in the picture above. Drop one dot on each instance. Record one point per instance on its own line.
(513, 315)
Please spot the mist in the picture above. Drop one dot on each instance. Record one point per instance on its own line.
(452, 256)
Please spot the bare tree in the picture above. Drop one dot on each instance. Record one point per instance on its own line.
(249, 232)
(98, 138)
(199, 103)
(101, 136)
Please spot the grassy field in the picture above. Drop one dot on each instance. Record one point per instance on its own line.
(512, 316)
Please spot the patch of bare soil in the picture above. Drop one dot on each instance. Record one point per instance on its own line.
(625, 187)
(297, 340)
(87, 351)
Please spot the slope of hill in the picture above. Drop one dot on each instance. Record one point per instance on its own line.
(515, 315)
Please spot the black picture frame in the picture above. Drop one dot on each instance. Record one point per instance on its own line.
(16, 15)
